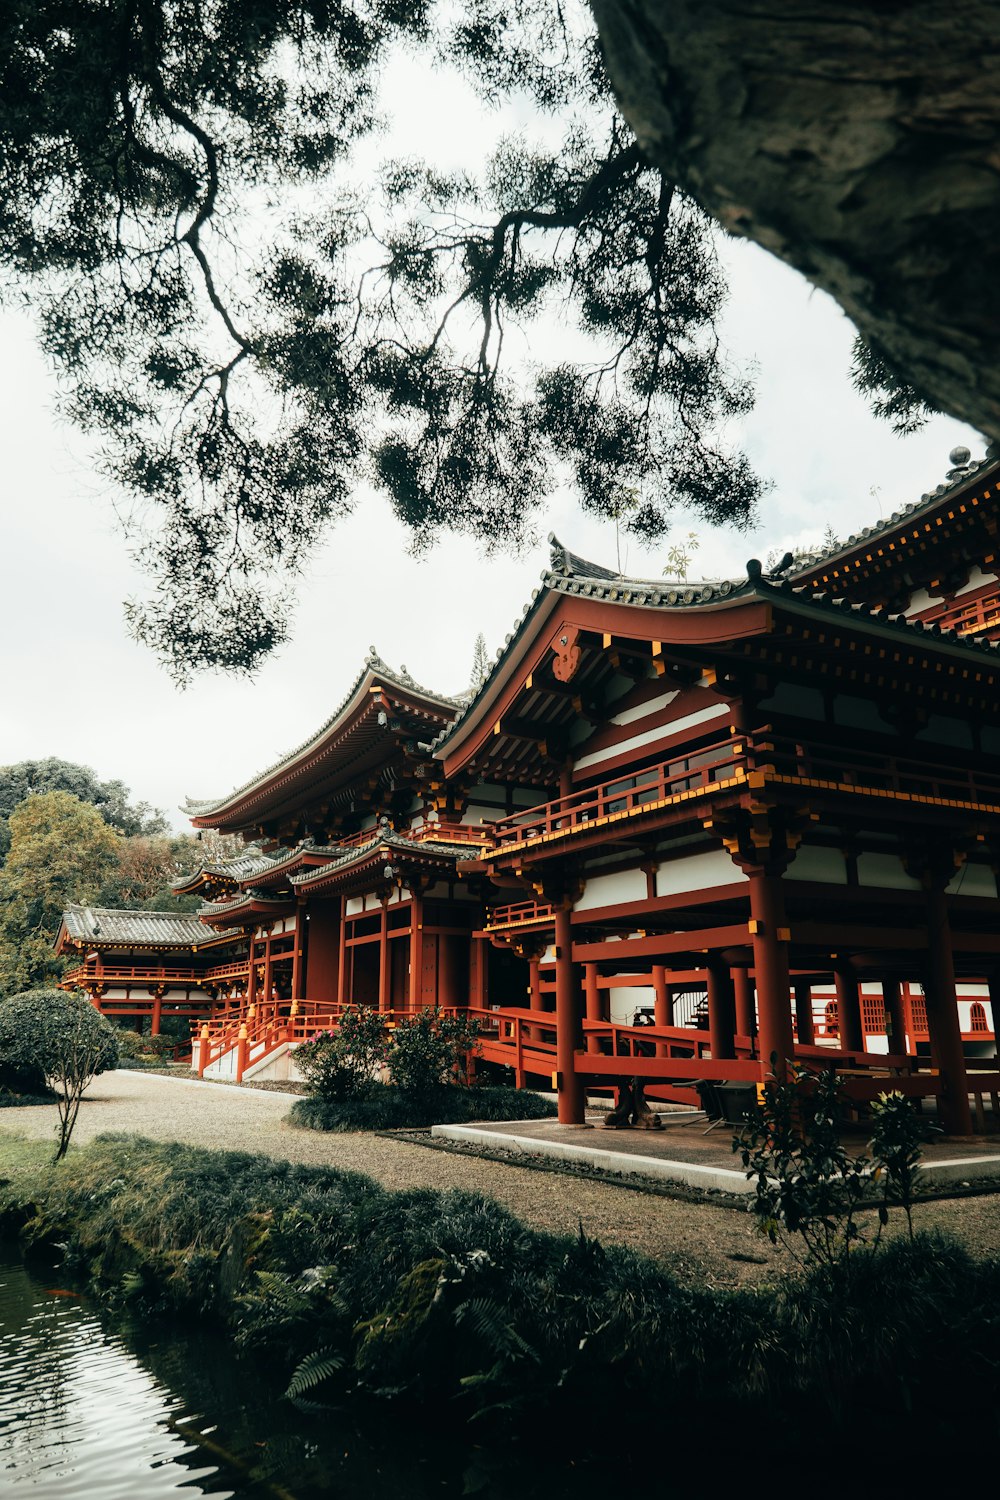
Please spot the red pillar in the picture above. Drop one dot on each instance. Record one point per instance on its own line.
(942, 1019)
(663, 1010)
(592, 994)
(721, 1010)
(852, 1037)
(154, 1025)
(571, 1095)
(804, 1012)
(895, 1020)
(343, 998)
(383, 960)
(299, 955)
(416, 950)
(770, 962)
(746, 1009)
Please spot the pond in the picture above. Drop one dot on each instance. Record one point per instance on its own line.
(94, 1407)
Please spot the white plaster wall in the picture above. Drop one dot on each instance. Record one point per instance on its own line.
(973, 880)
(886, 871)
(477, 813)
(815, 863)
(922, 600)
(630, 715)
(608, 890)
(354, 905)
(676, 726)
(697, 872)
(976, 580)
(625, 1001)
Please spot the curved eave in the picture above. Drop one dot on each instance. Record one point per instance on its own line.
(888, 542)
(249, 803)
(623, 608)
(397, 851)
(246, 907)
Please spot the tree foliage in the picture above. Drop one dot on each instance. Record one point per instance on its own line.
(252, 328)
(111, 798)
(61, 850)
(63, 1036)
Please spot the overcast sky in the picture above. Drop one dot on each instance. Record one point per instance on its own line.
(76, 687)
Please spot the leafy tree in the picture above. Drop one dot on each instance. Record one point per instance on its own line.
(145, 871)
(61, 850)
(66, 1038)
(149, 148)
(111, 798)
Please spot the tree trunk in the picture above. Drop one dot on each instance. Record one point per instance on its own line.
(860, 143)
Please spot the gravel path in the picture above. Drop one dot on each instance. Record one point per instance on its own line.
(702, 1242)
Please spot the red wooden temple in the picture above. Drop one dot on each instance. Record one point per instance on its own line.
(761, 814)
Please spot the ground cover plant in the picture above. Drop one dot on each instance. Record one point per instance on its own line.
(448, 1301)
(62, 1037)
(384, 1107)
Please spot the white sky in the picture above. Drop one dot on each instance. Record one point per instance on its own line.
(75, 686)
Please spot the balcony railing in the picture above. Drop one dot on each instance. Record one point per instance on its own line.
(669, 780)
(519, 914)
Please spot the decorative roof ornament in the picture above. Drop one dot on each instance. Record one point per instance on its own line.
(959, 460)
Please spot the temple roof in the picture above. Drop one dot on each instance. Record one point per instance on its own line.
(109, 927)
(253, 799)
(967, 474)
(389, 843)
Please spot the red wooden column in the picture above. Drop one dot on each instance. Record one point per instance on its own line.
(942, 1017)
(571, 1095)
(592, 996)
(342, 954)
(721, 1010)
(154, 1025)
(383, 960)
(895, 1020)
(804, 1012)
(251, 996)
(299, 951)
(663, 1009)
(770, 962)
(267, 986)
(994, 984)
(746, 1007)
(416, 950)
(852, 1037)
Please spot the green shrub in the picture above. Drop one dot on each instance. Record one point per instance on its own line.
(384, 1107)
(338, 1064)
(448, 1299)
(429, 1048)
(129, 1044)
(65, 1037)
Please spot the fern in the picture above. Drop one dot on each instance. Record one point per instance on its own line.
(312, 1371)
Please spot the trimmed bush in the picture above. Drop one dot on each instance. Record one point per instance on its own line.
(383, 1107)
(338, 1064)
(62, 1035)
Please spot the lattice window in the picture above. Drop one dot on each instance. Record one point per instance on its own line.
(873, 1015)
(831, 1022)
(977, 1017)
(918, 1012)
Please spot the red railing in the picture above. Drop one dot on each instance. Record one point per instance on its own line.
(876, 771)
(519, 914)
(623, 795)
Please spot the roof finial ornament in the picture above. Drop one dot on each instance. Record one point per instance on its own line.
(557, 558)
(755, 569)
(959, 460)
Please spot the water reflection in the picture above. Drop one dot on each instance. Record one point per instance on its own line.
(79, 1416)
(100, 1408)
